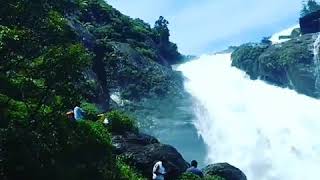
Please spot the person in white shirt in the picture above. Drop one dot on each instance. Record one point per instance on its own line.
(78, 113)
(158, 171)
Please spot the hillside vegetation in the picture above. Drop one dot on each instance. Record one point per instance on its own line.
(56, 54)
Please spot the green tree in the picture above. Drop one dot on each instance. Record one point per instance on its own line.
(309, 7)
(167, 49)
(161, 27)
(120, 122)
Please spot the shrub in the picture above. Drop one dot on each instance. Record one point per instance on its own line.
(91, 111)
(190, 176)
(147, 52)
(120, 122)
(214, 178)
(309, 6)
(247, 53)
(246, 58)
(127, 172)
(56, 148)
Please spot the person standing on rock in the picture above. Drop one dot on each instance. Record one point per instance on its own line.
(194, 170)
(159, 171)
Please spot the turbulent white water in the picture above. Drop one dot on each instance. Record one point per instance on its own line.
(316, 48)
(268, 132)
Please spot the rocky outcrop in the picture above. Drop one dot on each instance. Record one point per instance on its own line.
(144, 150)
(290, 64)
(135, 76)
(310, 23)
(224, 170)
(128, 56)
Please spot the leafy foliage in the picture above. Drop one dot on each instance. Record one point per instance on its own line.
(91, 111)
(190, 176)
(127, 50)
(55, 149)
(120, 122)
(42, 67)
(167, 48)
(214, 178)
(281, 64)
(110, 25)
(246, 57)
(309, 6)
(128, 172)
(251, 57)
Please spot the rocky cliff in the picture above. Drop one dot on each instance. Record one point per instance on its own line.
(290, 64)
(130, 57)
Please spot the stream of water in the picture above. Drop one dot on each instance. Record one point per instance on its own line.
(269, 132)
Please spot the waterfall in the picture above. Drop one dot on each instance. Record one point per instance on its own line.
(316, 49)
(269, 132)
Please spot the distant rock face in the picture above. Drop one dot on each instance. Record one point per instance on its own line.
(290, 64)
(128, 56)
(135, 76)
(224, 170)
(310, 23)
(144, 151)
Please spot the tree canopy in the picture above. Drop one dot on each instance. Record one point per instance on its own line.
(309, 6)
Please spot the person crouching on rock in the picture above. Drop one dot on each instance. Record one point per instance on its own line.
(159, 171)
(194, 170)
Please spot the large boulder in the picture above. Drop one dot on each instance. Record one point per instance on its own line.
(143, 151)
(224, 170)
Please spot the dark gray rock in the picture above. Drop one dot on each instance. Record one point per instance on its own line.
(82, 34)
(143, 151)
(124, 142)
(99, 95)
(224, 170)
(135, 76)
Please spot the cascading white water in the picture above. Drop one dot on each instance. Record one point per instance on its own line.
(268, 132)
(316, 49)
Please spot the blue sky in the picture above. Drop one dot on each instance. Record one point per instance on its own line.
(205, 26)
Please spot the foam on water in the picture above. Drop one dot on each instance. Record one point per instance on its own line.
(269, 132)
